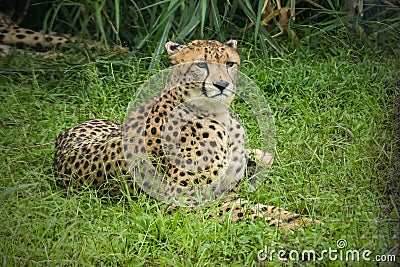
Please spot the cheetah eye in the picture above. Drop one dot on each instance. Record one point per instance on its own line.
(201, 64)
(230, 64)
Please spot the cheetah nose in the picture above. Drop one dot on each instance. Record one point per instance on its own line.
(221, 85)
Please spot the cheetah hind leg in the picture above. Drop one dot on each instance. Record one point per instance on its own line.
(244, 210)
(241, 209)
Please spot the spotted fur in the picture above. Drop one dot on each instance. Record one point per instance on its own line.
(12, 34)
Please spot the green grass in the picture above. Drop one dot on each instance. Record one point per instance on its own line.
(334, 109)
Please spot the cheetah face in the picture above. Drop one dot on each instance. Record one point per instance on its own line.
(206, 71)
(219, 80)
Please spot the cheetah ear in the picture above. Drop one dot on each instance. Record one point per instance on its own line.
(172, 48)
(232, 43)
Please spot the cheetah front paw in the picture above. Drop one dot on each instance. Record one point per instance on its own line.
(260, 157)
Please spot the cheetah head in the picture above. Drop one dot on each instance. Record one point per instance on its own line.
(205, 70)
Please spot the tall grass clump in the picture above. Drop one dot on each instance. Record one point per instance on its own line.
(146, 25)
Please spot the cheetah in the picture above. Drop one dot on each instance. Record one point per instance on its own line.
(182, 146)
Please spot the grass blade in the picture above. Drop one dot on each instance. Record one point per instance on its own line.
(257, 23)
(100, 24)
(203, 16)
(216, 19)
(117, 20)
